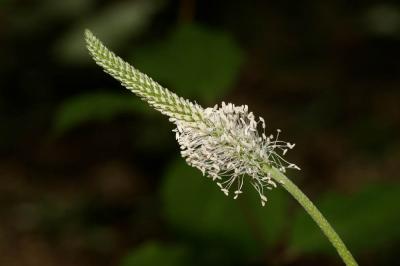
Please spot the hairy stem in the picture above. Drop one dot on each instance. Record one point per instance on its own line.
(315, 214)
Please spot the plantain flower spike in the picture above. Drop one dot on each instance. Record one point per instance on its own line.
(227, 143)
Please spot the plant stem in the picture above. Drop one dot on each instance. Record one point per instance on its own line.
(315, 214)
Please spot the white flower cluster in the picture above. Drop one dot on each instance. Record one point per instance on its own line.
(230, 145)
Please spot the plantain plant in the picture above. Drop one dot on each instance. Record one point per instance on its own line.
(227, 143)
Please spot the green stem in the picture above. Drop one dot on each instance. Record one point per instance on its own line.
(315, 214)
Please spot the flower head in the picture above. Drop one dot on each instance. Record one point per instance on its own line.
(230, 145)
(226, 143)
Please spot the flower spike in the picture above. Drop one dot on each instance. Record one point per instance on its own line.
(226, 143)
(146, 88)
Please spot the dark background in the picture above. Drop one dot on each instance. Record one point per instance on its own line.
(89, 175)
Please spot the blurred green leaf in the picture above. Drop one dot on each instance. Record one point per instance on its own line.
(383, 19)
(45, 13)
(98, 106)
(151, 254)
(371, 136)
(4, 2)
(115, 25)
(367, 220)
(196, 62)
(195, 206)
(66, 8)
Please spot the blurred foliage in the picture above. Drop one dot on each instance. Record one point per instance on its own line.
(65, 8)
(152, 253)
(98, 106)
(210, 216)
(33, 16)
(383, 19)
(366, 221)
(197, 62)
(115, 25)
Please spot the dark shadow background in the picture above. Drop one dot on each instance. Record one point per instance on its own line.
(89, 175)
